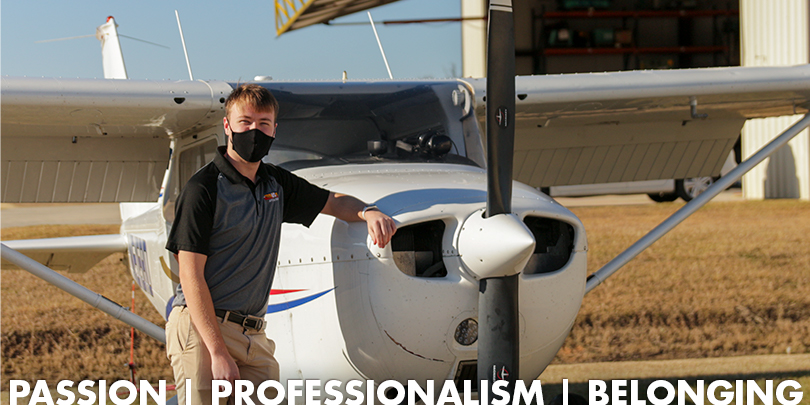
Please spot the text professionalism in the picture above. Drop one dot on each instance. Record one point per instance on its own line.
(358, 392)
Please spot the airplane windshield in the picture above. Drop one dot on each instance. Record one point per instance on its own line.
(360, 123)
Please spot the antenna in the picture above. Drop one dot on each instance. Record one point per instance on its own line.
(390, 76)
(183, 40)
(64, 39)
(144, 41)
(111, 55)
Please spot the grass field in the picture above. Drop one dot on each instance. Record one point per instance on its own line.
(732, 280)
(50, 335)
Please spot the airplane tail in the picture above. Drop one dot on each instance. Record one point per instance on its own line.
(111, 54)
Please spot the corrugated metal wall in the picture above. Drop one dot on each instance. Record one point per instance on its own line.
(775, 33)
(474, 39)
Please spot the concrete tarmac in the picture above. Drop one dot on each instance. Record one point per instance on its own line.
(13, 215)
(732, 194)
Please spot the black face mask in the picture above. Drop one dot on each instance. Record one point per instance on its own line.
(251, 145)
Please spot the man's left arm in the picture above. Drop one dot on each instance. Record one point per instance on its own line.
(380, 226)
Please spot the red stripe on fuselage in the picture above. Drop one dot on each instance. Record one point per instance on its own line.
(279, 292)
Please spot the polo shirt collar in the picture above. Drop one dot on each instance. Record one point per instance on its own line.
(230, 172)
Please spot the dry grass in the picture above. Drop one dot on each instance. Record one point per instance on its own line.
(49, 335)
(732, 280)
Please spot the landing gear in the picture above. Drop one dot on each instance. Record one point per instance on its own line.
(689, 189)
(663, 197)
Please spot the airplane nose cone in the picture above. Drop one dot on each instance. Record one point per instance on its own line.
(497, 246)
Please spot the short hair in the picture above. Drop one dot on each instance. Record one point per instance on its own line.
(253, 95)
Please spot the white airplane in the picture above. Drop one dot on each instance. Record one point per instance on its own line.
(466, 252)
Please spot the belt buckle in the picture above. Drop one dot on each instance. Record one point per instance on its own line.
(259, 322)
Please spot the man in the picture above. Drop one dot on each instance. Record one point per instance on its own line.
(226, 236)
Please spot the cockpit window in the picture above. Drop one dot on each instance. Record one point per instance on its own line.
(370, 123)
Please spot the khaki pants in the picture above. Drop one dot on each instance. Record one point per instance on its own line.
(251, 350)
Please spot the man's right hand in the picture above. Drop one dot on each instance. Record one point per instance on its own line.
(224, 368)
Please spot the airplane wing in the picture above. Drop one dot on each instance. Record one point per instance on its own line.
(641, 125)
(88, 140)
(75, 254)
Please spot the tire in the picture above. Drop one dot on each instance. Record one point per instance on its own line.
(663, 197)
(690, 188)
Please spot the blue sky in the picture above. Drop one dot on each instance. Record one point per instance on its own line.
(227, 40)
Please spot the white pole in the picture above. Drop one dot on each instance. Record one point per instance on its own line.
(390, 76)
(183, 39)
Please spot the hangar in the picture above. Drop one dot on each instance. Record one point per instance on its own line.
(574, 36)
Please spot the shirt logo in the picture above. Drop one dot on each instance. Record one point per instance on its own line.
(270, 196)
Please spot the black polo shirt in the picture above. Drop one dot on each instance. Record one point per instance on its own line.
(220, 213)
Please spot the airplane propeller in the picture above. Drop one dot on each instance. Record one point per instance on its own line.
(498, 339)
(494, 243)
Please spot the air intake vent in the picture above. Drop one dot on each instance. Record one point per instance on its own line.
(418, 249)
(554, 244)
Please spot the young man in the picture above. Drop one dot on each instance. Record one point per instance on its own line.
(226, 237)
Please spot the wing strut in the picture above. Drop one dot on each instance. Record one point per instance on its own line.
(690, 208)
(83, 293)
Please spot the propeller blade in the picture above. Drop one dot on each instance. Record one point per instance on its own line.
(498, 345)
(500, 106)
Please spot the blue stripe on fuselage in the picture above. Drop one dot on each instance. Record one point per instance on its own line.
(273, 308)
